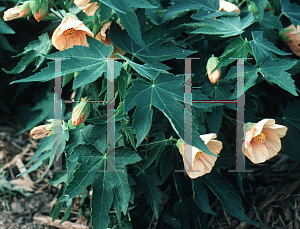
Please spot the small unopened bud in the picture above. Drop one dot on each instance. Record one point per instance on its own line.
(211, 64)
(34, 6)
(80, 112)
(40, 131)
(25, 9)
(252, 8)
(42, 13)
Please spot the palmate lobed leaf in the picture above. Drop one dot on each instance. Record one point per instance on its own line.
(262, 48)
(34, 51)
(164, 93)
(91, 171)
(291, 11)
(90, 61)
(225, 26)
(226, 193)
(154, 39)
(274, 70)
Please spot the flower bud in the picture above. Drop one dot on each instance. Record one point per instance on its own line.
(42, 13)
(25, 9)
(40, 131)
(291, 36)
(211, 64)
(34, 6)
(252, 8)
(11, 13)
(80, 112)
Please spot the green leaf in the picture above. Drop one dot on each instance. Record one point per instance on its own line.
(291, 11)
(90, 61)
(260, 4)
(200, 196)
(167, 159)
(148, 181)
(153, 151)
(130, 21)
(129, 133)
(221, 91)
(267, 25)
(237, 48)
(250, 76)
(154, 39)
(291, 119)
(226, 193)
(4, 28)
(109, 4)
(34, 51)
(142, 120)
(165, 97)
(210, 9)
(274, 70)
(214, 119)
(225, 26)
(144, 70)
(262, 48)
(90, 171)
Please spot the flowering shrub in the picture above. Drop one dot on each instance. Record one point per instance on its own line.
(163, 100)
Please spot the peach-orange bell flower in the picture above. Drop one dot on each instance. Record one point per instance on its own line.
(262, 140)
(70, 32)
(293, 39)
(89, 8)
(195, 159)
(104, 38)
(229, 7)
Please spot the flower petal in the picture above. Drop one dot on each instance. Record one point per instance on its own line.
(272, 143)
(257, 153)
(280, 130)
(207, 137)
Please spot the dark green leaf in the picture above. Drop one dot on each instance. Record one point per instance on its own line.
(225, 26)
(200, 196)
(291, 11)
(226, 193)
(34, 51)
(262, 48)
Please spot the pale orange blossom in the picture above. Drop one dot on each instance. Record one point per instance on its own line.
(70, 32)
(262, 140)
(196, 162)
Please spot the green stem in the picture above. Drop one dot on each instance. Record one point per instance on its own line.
(166, 140)
(52, 11)
(280, 15)
(52, 3)
(242, 2)
(96, 108)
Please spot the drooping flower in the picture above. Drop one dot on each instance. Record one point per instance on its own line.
(89, 8)
(196, 162)
(40, 131)
(70, 32)
(80, 112)
(17, 12)
(262, 140)
(104, 38)
(45, 130)
(229, 7)
(211, 64)
(291, 36)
